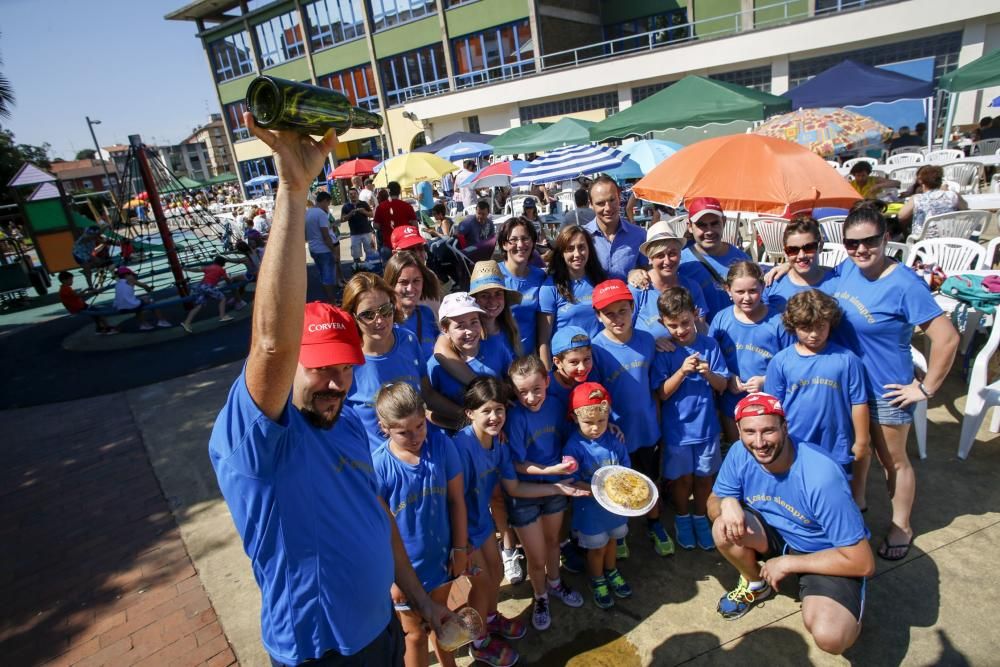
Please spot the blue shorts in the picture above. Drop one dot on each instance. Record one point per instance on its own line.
(525, 511)
(702, 460)
(601, 539)
(884, 413)
(326, 267)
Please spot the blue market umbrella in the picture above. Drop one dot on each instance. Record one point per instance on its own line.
(464, 150)
(570, 162)
(261, 180)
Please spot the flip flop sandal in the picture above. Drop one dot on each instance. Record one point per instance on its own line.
(884, 550)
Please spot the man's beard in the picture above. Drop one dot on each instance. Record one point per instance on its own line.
(323, 420)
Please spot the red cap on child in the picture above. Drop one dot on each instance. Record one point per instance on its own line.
(609, 291)
(588, 393)
(758, 404)
(329, 337)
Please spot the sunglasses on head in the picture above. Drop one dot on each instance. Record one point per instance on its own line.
(384, 311)
(868, 241)
(809, 249)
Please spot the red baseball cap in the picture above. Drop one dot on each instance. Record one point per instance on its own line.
(699, 207)
(329, 337)
(589, 393)
(406, 236)
(758, 404)
(609, 291)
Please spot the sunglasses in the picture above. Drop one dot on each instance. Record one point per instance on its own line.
(869, 242)
(809, 249)
(384, 311)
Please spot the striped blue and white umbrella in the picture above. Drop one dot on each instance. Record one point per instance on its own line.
(569, 162)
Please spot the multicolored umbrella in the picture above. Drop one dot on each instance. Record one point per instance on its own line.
(827, 131)
(498, 174)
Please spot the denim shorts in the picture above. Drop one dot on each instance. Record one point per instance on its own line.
(524, 511)
(703, 459)
(601, 539)
(884, 413)
(325, 265)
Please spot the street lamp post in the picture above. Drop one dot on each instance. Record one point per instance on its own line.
(104, 166)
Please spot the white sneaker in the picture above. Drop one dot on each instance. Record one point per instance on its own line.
(163, 324)
(146, 327)
(568, 596)
(512, 568)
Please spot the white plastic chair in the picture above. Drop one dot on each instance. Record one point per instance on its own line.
(906, 176)
(986, 147)
(981, 397)
(832, 255)
(731, 233)
(954, 225)
(966, 174)
(990, 255)
(833, 163)
(853, 161)
(898, 251)
(515, 205)
(832, 227)
(952, 255)
(567, 201)
(908, 157)
(944, 155)
(920, 411)
(771, 232)
(902, 150)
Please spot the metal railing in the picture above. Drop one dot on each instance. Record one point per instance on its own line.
(394, 97)
(503, 72)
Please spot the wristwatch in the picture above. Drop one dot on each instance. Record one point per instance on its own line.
(923, 390)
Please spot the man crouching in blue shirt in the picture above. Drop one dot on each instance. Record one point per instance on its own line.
(293, 462)
(789, 504)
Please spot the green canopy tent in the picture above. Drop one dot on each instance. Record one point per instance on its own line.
(183, 183)
(224, 177)
(567, 132)
(693, 101)
(514, 137)
(981, 73)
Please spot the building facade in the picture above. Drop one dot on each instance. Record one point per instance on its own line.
(488, 65)
(85, 175)
(213, 136)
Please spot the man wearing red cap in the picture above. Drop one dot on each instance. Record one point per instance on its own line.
(707, 260)
(790, 505)
(293, 463)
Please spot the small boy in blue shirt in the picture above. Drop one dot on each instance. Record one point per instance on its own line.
(622, 356)
(687, 379)
(596, 528)
(822, 387)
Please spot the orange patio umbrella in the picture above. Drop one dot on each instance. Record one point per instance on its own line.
(748, 172)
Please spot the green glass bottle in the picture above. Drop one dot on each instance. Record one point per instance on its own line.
(279, 104)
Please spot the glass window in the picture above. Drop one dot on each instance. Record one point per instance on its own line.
(234, 119)
(357, 84)
(758, 78)
(231, 57)
(280, 39)
(606, 101)
(386, 13)
(330, 22)
(263, 166)
(669, 26)
(503, 52)
(413, 74)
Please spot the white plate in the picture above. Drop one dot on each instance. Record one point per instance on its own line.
(597, 489)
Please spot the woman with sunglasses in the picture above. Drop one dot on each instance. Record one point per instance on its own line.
(392, 354)
(565, 298)
(882, 302)
(803, 244)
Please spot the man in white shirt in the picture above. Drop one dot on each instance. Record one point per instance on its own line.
(367, 194)
(321, 246)
(466, 196)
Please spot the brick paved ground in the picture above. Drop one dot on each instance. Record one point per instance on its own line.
(92, 567)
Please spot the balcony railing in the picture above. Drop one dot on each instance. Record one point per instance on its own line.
(494, 74)
(402, 95)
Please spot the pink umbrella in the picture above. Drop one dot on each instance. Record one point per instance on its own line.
(497, 174)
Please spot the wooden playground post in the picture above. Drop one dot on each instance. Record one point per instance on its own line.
(161, 221)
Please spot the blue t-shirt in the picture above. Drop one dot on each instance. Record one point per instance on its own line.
(305, 503)
(580, 314)
(626, 370)
(810, 505)
(688, 417)
(647, 315)
(403, 363)
(493, 359)
(425, 195)
(878, 321)
(747, 348)
(417, 495)
(424, 325)
(777, 294)
(526, 312)
(590, 518)
(537, 437)
(817, 392)
(715, 294)
(483, 470)
(620, 256)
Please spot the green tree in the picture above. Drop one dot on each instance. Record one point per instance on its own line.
(6, 95)
(86, 154)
